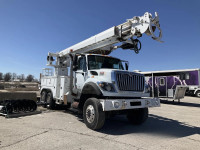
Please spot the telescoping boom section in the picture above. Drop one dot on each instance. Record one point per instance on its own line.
(104, 42)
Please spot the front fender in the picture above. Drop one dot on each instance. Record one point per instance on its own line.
(91, 88)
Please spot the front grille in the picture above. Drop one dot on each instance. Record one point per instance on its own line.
(130, 81)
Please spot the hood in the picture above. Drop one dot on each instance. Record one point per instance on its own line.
(107, 75)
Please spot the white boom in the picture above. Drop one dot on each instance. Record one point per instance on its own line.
(104, 41)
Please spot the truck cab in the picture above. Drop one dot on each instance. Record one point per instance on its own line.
(110, 75)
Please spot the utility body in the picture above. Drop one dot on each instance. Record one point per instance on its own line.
(98, 85)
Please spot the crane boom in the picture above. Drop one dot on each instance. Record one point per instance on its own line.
(103, 42)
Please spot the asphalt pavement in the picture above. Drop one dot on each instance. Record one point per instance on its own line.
(171, 126)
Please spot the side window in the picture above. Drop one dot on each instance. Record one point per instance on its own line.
(162, 81)
(187, 76)
(184, 76)
(116, 66)
(81, 63)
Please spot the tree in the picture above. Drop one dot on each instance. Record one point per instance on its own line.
(21, 77)
(14, 76)
(29, 78)
(1, 76)
(7, 77)
(36, 80)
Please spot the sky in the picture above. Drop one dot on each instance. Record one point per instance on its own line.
(29, 29)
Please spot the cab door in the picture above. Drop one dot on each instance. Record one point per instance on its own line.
(80, 73)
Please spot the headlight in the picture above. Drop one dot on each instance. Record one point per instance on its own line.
(106, 86)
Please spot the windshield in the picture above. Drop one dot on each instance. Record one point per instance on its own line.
(98, 62)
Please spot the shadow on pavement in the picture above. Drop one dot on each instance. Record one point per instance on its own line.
(181, 103)
(119, 125)
(155, 125)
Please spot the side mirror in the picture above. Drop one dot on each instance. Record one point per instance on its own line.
(84, 65)
(126, 65)
(75, 63)
(75, 67)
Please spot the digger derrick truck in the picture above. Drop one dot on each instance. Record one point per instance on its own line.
(85, 77)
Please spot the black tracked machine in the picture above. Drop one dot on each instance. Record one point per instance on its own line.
(17, 106)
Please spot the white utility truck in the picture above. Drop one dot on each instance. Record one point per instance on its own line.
(98, 85)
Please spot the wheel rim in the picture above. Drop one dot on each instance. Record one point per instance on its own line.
(90, 113)
(198, 94)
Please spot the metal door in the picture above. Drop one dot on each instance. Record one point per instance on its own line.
(162, 86)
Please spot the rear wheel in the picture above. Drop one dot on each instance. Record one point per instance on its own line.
(50, 101)
(93, 114)
(43, 96)
(138, 116)
(198, 94)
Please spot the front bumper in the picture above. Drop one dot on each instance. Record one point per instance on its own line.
(123, 104)
(1, 107)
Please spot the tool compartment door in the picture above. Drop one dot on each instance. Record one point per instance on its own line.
(64, 86)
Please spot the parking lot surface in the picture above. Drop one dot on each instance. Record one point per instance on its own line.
(171, 126)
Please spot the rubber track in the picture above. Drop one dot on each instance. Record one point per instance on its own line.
(15, 106)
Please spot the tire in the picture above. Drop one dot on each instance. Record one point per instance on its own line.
(93, 114)
(50, 101)
(43, 96)
(138, 116)
(197, 94)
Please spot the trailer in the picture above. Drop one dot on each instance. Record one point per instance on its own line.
(173, 83)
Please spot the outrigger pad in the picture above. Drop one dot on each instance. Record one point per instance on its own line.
(15, 106)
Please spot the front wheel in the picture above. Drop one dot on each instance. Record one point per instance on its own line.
(138, 116)
(93, 114)
(197, 94)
